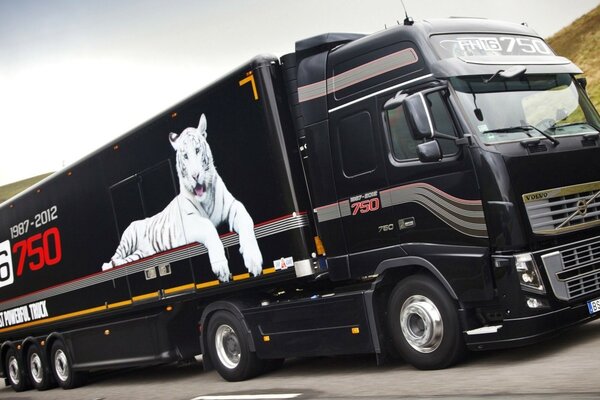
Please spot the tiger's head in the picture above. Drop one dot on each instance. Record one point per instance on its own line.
(194, 159)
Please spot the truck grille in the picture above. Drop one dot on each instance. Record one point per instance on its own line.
(563, 209)
(574, 271)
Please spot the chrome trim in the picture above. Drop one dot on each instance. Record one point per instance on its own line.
(484, 330)
(564, 209)
(381, 92)
(574, 271)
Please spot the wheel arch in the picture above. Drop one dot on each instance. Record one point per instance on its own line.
(393, 270)
(50, 340)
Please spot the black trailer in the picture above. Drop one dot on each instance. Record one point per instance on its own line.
(416, 192)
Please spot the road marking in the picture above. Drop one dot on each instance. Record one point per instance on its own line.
(250, 396)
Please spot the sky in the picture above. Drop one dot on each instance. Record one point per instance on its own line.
(75, 74)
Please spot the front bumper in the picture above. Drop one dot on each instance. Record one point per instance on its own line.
(514, 332)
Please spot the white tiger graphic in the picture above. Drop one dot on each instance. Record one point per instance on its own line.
(193, 215)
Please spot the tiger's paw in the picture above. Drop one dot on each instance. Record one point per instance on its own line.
(221, 270)
(108, 265)
(252, 257)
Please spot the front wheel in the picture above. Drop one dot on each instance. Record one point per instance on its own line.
(229, 348)
(423, 321)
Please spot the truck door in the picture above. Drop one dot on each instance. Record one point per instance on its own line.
(359, 170)
(436, 202)
(142, 196)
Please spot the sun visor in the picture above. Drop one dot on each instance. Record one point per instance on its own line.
(464, 54)
(486, 65)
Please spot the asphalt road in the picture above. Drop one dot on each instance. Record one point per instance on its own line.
(566, 367)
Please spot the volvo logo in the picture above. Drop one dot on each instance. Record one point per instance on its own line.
(536, 196)
(582, 207)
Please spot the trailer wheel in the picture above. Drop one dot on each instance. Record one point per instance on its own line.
(229, 348)
(423, 321)
(15, 372)
(62, 367)
(39, 374)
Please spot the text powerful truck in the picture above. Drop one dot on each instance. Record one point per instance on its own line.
(417, 192)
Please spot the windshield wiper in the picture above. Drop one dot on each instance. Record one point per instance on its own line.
(524, 128)
(556, 125)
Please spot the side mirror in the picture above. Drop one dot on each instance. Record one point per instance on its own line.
(429, 151)
(418, 117)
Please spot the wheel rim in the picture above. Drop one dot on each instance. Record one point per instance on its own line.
(228, 346)
(421, 324)
(35, 366)
(61, 365)
(13, 370)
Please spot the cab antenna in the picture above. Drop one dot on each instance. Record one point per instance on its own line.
(408, 20)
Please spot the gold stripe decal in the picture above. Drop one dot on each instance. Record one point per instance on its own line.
(241, 276)
(55, 319)
(182, 288)
(125, 303)
(145, 296)
(207, 284)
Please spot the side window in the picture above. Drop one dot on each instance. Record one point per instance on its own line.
(404, 147)
(356, 144)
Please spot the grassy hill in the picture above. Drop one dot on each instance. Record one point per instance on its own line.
(580, 42)
(8, 191)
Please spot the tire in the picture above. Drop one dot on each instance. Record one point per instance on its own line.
(229, 349)
(61, 365)
(423, 322)
(38, 371)
(15, 371)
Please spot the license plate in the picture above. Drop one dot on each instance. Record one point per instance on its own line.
(593, 306)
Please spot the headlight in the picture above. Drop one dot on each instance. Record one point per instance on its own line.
(528, 273)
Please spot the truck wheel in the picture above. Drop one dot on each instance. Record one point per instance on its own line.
(62, 367)
(423, 321)
(38, 371)
(229, 348)
(15, 372)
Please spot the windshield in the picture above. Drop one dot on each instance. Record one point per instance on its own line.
(539, 106)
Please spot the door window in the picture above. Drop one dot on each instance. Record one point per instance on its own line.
(403, 146)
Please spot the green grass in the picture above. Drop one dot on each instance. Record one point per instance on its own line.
(579, 42)
(12, 189)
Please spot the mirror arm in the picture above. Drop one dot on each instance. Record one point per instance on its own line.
(463, 140)
(459, 141)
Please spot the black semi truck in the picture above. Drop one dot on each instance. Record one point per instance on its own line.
(414, 193)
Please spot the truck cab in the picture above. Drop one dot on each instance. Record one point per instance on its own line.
(464, 150)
